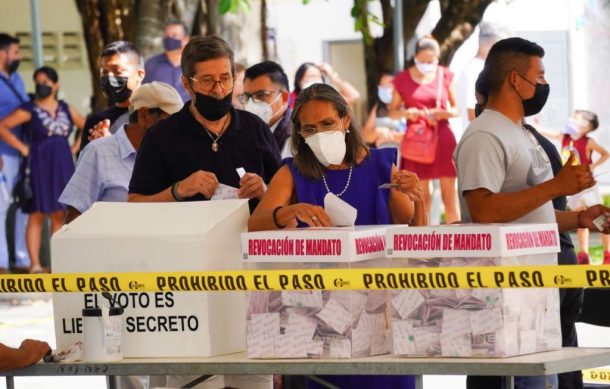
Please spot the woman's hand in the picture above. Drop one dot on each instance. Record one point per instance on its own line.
(24, 151)
(408, 183)
(312, 215)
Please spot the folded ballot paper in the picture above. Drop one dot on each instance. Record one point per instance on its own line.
(317, 324)
(485, 322)
(341, 213)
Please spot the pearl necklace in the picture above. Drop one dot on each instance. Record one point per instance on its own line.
(349, 178)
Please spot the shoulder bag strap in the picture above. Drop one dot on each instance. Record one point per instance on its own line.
(12, 88)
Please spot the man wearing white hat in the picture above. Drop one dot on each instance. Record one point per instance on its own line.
(105, 165)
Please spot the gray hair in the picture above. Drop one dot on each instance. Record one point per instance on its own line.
(204, 48)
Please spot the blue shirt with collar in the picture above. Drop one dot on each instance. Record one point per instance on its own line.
(11, 99)
(102, 173)
(158, 68)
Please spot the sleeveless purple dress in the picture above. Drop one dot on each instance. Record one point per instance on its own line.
(51, 163)
(372, 205)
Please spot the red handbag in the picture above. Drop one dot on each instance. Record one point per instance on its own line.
(421, 138)
(420, 142)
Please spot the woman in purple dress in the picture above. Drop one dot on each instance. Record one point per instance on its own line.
(330, 156)
(48, 123)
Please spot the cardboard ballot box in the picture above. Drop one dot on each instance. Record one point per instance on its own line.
(157, 237)
(315, 323)
(483, 322)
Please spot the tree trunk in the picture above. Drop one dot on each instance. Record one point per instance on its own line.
(263, 21)
(104, 22)
(153, 15)
(458, 21)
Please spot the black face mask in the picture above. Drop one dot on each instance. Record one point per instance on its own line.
(171, 44)
(211, 108)
(116, 88)
(43, 91)
(478, 109)
(12, 66)
(535, 104)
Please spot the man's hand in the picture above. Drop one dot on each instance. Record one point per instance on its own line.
(573, 179)
(32, 351)
(100, 130)
(199, 182)
(586, 217)
(251, 186)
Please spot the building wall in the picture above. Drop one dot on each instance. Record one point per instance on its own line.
(63, 46)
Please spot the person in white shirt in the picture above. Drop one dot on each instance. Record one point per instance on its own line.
(489, 33)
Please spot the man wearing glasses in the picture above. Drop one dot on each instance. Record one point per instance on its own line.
(266, 94)
(206, 144)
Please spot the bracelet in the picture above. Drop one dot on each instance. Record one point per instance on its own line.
(175, 192)
(278, 225)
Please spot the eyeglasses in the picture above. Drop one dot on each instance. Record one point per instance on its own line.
(257, 97)
(310, 130)
(225, 82)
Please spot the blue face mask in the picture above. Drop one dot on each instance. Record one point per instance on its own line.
(171, 44)
(385, 94)
(570, 128)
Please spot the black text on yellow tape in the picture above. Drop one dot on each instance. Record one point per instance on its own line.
(571, 276)
(596, 376)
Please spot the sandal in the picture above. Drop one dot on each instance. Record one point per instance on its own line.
(37, 270)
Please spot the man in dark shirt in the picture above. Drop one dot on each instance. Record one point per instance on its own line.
(122, 71)
(165, 67)
(266, 94)
(208, 143)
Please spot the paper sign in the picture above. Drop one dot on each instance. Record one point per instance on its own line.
(403, 339)
(340, 212)
(225, 192)
(406, 302)
(335, 316)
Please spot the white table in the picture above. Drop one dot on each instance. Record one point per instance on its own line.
(546, 363)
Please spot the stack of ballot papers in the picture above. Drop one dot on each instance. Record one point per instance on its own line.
(318, 324)
(484, 322)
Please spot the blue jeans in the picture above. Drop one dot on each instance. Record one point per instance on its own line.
(11, 171)
(536, 382)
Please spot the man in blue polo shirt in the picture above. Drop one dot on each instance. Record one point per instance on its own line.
(12, 95)
(165, 67)
(105, 166)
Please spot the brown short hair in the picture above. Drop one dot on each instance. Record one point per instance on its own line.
(304, 159)
(204, 48)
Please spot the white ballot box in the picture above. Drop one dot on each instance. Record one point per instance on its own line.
(157, 237)
(482, 322)
(316, 323)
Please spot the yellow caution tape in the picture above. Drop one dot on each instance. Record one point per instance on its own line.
(596, 376)
(571, 276)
